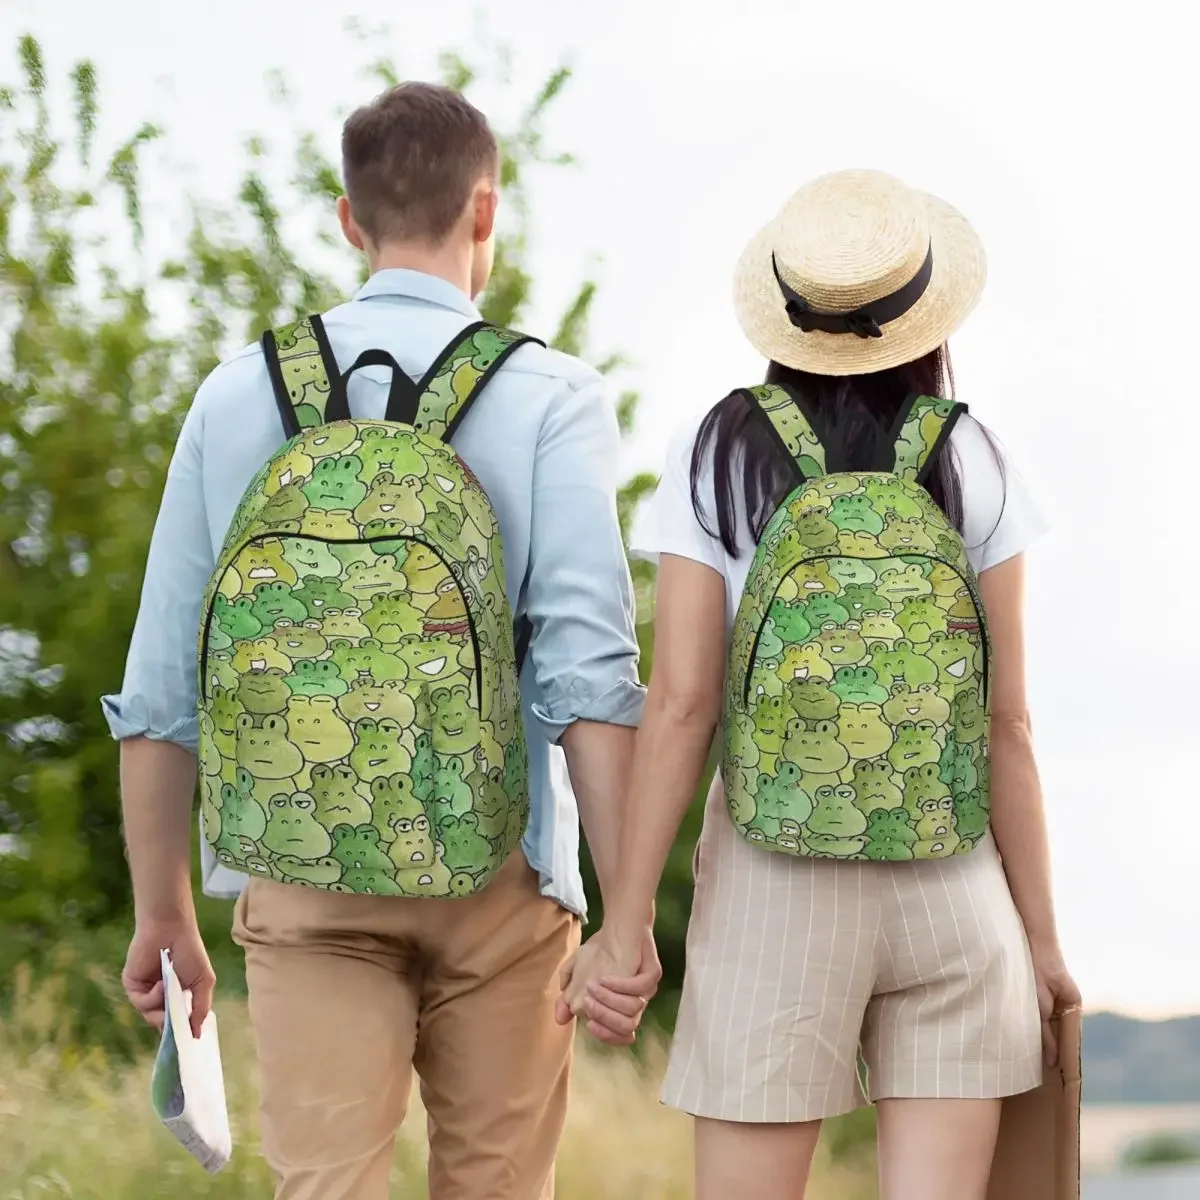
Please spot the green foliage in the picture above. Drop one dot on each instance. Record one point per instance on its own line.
(1161, 1150)
(93, 385)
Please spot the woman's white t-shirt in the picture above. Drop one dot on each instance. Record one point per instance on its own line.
(1000, 518)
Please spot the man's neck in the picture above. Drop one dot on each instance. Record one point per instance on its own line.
(451, 263)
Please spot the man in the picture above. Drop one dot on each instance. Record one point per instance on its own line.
(349, 992)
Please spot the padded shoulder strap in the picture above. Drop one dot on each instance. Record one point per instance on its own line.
(792, 427)
(924, 427)
(460, 373)
(304, 376)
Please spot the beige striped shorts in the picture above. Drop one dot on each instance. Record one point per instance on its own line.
(804, 975)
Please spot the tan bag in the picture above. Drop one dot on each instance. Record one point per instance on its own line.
(1037, 1152)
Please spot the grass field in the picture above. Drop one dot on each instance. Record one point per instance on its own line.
(73, 1124)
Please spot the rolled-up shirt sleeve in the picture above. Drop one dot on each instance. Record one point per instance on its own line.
(158, 694)
(579, 594)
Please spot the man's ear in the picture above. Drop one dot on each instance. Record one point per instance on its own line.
(487, 198)
(350, 230)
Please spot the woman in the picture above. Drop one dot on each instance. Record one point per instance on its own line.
(852, 895)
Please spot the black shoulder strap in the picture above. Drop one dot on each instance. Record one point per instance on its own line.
(460, 373)
(308, 389)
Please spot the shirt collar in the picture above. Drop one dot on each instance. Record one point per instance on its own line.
(416, 285)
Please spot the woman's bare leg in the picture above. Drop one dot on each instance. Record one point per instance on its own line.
(768, 1162)
(936, 1149)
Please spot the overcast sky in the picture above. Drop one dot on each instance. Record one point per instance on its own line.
(1065, 136)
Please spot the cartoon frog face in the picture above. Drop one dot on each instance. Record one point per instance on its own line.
(770, 720)
(466, 848)
(318, 872)
(263, 692)
(915, 745)
(968, 717)
(850, 571)
(835, 816)
(370, 579)
(450, 790)
(371, 881)
(264, 749)
(937, 819)
(902, 662)
(824, 610)
(902, 536)
(812, 699)
(333, 788)
(424, 879)
(263, 562)
(330, 439)
(956, 657)
(392, 616)
(311, 558)
(923, 784)
(298, 639)
(881, 627)
(428, 659)
(377, 700)
(875, 783)
(815, 530)
(923, 703)
(858, 685)
(258, 655)
(855, 544)
(393, 800)
(289, 504)
(390, 498)
(293, 829)
(413, 844)
(315, 726)
(896, 583)
(789, 622)
(842, 646)
(381, 451)
(863, 731)
(814, 577)
(890, 838)
(799, 662)
(273, 601)
(890, 496)
(861, 599)
(366, 660)
(318, 596)
(358, 846)
(336, 483)
(957, 768)
(836, 485)
(332, 523)
(423, 570)
(455, 722)
(344, 627)
(289, 467)
(242, 816)
(971, 814)
(236, 617)
(312, 677)
(814, 747)
(378, 750)
(920, 618)
(855, 513)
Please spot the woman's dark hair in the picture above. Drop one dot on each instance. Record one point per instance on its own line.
(855, 417)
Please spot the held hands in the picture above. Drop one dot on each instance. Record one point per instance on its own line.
(1056, 992)
(609, 986)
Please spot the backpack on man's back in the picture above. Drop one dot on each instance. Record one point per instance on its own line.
(360, 716)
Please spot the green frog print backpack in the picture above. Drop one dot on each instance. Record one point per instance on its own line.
(360, 715)
(856, 703)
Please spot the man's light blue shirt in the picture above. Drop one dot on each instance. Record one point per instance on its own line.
(543, 441)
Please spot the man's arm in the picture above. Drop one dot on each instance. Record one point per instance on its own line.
(155, 719)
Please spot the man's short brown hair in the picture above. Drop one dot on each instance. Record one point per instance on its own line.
(410, 160)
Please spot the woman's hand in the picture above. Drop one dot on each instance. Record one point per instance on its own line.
(609, 986)
(1056, 992)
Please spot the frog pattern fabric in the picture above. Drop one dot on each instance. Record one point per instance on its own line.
(360, 715)
(857, 703)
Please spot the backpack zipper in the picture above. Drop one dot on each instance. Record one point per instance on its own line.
(976, 602)
(263, 537)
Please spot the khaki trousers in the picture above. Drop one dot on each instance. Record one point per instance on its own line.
(350, 993)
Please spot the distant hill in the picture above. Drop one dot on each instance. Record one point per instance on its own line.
(1128, 1061)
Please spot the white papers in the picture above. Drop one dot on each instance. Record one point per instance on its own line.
(187, 1088)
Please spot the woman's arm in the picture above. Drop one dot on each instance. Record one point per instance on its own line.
(1018, 815)
(683, 704)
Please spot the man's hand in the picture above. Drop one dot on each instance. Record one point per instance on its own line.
(142, 977)
(610, 987)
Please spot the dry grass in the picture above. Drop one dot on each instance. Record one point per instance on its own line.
(73, 1125)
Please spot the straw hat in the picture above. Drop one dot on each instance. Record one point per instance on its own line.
(858, 273)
